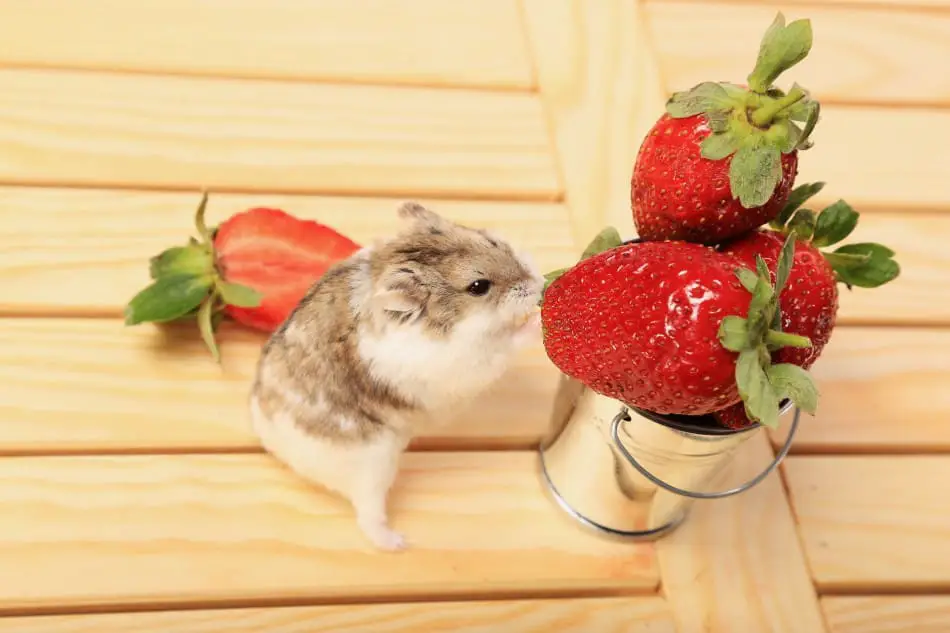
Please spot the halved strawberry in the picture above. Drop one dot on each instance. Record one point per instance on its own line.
(255, 267)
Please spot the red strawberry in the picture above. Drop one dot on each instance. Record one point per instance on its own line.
(255, 267)
(722, 159)
(809, 303)
(733, 417)
(808, 306)
(668, 327)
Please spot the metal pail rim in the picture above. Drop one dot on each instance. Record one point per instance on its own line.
(699, 424)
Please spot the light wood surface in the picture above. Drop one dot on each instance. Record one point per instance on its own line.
(414, 42)
(868, 56)
(896, 6)
(873, 524)
(603, 615)
(111, 234)
(151, 388)
(882, 390)
(138, 130)
(899, 174)
(602, 93)
(887, 614)
(729, 568)
(194, 529)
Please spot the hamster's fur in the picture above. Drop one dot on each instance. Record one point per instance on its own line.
(394, 339)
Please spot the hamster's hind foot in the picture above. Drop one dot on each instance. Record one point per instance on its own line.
(384, 537)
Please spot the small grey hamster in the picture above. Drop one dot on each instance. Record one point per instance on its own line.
(387, 343)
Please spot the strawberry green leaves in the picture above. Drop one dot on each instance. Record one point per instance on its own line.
(239, 294)
(187, 284)
(782, 47)
(705, 97)
(834, 223)
(753, 174)
(864, 264)
(796, 198)
(167, 298)
(761, 385)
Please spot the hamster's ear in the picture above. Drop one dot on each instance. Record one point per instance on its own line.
(418, 214)
(400, 291)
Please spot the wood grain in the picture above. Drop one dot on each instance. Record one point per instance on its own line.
(88, 128)
(423, 42)
(86, 251)
(601, 91)
(887, 614)
(124, 388)
(603, 615)
(229, 529)
(734, 565)
(895, 5)
(866, 56)
(909, 172)
(882, 390)
(873, 524)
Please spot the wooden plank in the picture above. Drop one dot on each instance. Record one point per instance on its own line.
(873, 524)
(887, 614)
(866, 56)
(604, 615)
(94, 129)
(234, 529)
(895, 5)
(601, 90)
(882, 389)
(735, 564)
(908, 172)
(147, 388)
(421, 42)
(86, 251)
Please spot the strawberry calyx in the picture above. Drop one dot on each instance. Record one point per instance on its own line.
(863, 264)
(756, 125)
(187, 283)
(762, 385)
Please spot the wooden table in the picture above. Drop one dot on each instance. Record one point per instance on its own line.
(134, 498)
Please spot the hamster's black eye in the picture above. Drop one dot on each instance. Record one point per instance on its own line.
(479, 287)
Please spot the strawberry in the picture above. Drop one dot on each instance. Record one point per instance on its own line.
(669, 327)
(809, 304)
(255, 267)
(723, 157)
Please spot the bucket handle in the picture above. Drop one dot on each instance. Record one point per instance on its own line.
(623, 416)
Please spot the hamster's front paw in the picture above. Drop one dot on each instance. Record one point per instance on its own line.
(385, 538)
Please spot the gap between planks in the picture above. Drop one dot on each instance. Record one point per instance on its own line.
(570, 614)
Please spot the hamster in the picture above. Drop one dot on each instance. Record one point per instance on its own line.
(391, 341)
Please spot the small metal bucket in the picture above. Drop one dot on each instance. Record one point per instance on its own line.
(634, 474)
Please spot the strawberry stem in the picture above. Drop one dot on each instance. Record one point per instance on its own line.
(767, 113)
(784, 339)
(200, 225)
